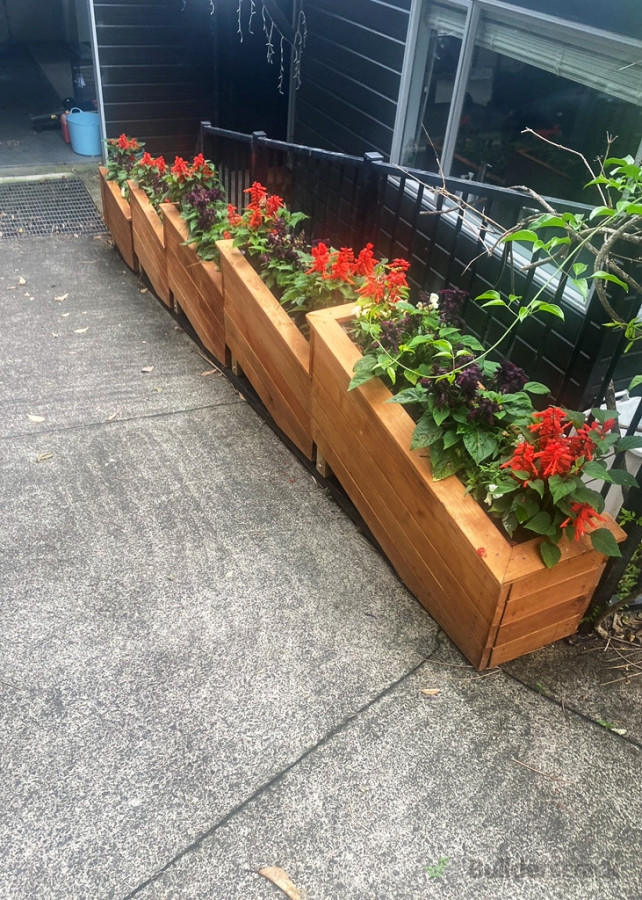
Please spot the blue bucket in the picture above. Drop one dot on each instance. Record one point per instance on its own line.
(84, 132)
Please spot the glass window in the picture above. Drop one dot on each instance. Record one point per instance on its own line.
(520, 70)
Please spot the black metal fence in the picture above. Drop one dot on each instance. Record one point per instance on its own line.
(448, 229)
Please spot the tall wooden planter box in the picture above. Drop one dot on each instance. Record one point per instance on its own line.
(118, 218)
(268, 346)
(149, 241)
(196, 285)
(495, 600)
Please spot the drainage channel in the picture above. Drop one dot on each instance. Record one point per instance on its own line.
(42, 208)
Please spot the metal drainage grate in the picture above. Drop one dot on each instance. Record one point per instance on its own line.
(42, 208)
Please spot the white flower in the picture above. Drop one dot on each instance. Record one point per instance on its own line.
(433, 301)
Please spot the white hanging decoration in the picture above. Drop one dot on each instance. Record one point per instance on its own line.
(295, 36)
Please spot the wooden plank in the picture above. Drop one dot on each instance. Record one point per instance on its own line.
(270, 348)
(118, 218)
(417, 551)
(196, 285)
(464, 626)
(149, 241)
(528, 643)
(414, 490)
(298, 431)
(338, 354)
(533, 592)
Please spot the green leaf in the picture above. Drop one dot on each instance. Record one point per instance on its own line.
(525, 507)
(585, 495)
(635, 382)
(550, 553)
(494, 303)
(440, 415)
(426, 432)
(541, 524)
(551, 308)
(363, 371)
(409, 395)
(629, 442)
(450, 439)
(601, 211)
(489, 295)
(604, 542)
(595, 469)
(524, 234)
(607, 276)
(536, 387)
(603, 415)
(538, 486)
(621, 477)
(480, 445)
(561, 487)
(579, 269)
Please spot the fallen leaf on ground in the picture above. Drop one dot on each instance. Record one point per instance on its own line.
(210, 372)
(431, 692)
(282, 880)
(147, 369)
(81, 330)
(55, 334)
(44, 456)
(143, 290)
(112, 417)
(62, 297)
(241, 397)
(22, 280)
(35, 418)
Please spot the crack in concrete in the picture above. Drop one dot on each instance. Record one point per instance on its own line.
(279, 776)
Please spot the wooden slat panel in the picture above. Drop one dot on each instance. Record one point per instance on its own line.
(149, 241)
(526, 644)
(462, 621)
(333, 357)
(267, 389)
(576, 578)
(268, 345)
(196, 285)
(118, 218)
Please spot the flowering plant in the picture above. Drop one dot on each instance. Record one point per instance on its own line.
(149, 174)
(540, 486)
(122, 155)
(467, 408)
(478, 420)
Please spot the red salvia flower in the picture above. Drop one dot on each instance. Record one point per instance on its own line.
(365, 262)
(257, 195)
(321, 256)
(232, 215)
(180, 168)
(556, 458)
(523, 460)
(581, 516)
(342, 264)
(272, 204)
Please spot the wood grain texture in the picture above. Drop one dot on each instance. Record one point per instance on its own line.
(495, 600)
(196, 285)
(118, 218)
(268, 346)
(149, 241)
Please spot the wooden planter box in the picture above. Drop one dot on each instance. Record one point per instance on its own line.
(149, 241)
(196, 285)
(118, 218)
(495, 600)
(268, 346)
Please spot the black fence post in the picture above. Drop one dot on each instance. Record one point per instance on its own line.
(258, 166)
(367, 205)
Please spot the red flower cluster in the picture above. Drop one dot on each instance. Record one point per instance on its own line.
(262, 207)
(125, 143)
(341, 265)
(554, 450)
(150, 162)
(386, 282)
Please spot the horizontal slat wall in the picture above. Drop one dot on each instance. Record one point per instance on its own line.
(351, 72)
(156, 71)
